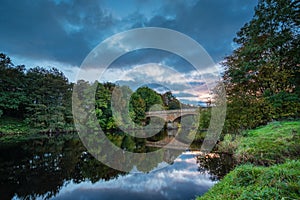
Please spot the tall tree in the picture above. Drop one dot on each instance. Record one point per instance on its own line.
(50, 98)
(262, 74)
(12, 88)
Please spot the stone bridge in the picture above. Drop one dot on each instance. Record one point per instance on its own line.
(171, 115)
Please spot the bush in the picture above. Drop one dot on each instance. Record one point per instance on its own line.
(245, 113)
(229, 143)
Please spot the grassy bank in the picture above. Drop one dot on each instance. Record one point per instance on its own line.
(280, 181)
(269, 164)
(14, 130)
(11, 126)
(270, 144)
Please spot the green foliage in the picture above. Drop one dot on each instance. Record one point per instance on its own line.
(128, 143)
(116, 139)
(43, 99)
(262, 75)
(250, 182)
(246, 112)
(49, 97)
(137, 108)
(103, 105)
(284, 105)
(150, 97)
(12, 87)
(229, 143)
(170, 101)
(126, 104)
(204, 120)
(9, 125)
(270, 144)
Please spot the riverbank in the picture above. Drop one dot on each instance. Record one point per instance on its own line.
(14, 131)
(268, 164)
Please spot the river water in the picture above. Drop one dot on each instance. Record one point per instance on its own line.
(63, 169)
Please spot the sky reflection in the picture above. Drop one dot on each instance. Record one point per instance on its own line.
(181, 180)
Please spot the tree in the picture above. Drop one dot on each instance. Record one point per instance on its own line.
(170, 101)
(137, 108)
(12, 88)
(262, 75)
(49, 95)
(128, 143)
(103, 105)
(150, 97)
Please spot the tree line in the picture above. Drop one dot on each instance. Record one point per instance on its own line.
(43, 98)
(39, 96)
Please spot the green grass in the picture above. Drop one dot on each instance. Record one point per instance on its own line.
(270, 144)
(14, 130)
(10, 125)
(280, 181)
(229, 144)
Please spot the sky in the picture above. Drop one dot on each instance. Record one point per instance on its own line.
(61, 34)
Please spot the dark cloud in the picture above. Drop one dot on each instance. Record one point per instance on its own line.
(63, 32)
(212, 23)
(144, 56)
(66, 30)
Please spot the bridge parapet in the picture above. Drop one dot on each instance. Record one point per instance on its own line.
(171, 115)
(194, 110)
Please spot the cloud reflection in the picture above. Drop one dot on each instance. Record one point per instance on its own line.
(181, 180)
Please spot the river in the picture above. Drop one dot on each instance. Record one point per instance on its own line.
(63, 169)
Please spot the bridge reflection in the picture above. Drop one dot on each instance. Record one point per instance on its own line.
(179, 139)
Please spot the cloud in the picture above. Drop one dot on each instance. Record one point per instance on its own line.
(70, 71)
(66, 30)
(189, 87)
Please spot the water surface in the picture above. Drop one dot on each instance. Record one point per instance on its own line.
(65, 170)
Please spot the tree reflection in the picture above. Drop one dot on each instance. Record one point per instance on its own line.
(31, 171)
(217, 165)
